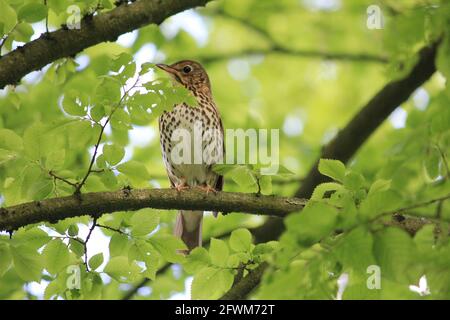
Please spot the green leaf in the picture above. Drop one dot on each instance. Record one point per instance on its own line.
(218, 251)
(35, 142)
(121, 60)
(118, 245)
(379, 186)
(243, 176)
(55, 159)
(96, 261)
(353, 181)
(33, 12)
(265, 183)
(358, 241)
(41, 189)
(265, 248)
(27, 263)
(313, 223)
(241, 240)
(334, 169)
(323, 188)
(378, 203)
(432, 163)
(119, 269)
(394, 251)
(143, 222)
(108, 92)
(73, 230)
(76, 247)
(33, 238)
(141, 250)
(211, 283)
(196, 260)
(9, 140)
(23, 32)
(5, 259)
(134, 170)
(72, 104)
(8, 17)
(113, 153)
(168, 245)
(55, 256)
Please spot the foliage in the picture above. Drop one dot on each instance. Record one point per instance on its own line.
(87, 124)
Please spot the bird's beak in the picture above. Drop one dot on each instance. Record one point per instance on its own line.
(170, 70)
(166, 68)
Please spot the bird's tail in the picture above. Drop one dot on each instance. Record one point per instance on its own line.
(188, 227)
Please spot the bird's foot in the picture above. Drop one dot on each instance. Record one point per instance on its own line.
(181, 186)
(207, 188)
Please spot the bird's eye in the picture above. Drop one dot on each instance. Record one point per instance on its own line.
(187, 69)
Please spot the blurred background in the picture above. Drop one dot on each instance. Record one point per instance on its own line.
(302, 66)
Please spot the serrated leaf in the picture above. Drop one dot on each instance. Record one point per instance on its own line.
(72, 104)
(394, 251)
(211, 283)
(323, 188)
(353, 181)
(354, 250)
(334, 169)
(218, 251)
(27, 263)
(380, 185)
(9, 140)
(143, 222)
(32, 12)
(313, 223)
(196, 260)
(113, 153)
(241, 240)
(5, 259)
(378, 203)
(96, 261)
(118, 245)
(119, 269)
(8, 18)
(168, 245)
(33, 238)
(55, 256)
(134, 169)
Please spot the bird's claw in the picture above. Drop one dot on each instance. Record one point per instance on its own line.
(182, 186)
(208, 189)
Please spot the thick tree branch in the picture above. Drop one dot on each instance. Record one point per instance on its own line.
(246, 285)
(350, 139)
(98, 203)
(100, 28)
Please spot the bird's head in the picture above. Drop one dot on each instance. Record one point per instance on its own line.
(190, 74)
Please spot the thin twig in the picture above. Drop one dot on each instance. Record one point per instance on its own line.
(94, 224)
(56, 177)
(99, 139)
(111, 228)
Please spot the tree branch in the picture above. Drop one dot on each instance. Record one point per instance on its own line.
(276, 47)
(98, 203)
(94, 29)
(350, 139)
(304, 53)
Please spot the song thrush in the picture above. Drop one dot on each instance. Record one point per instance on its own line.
(203, 118)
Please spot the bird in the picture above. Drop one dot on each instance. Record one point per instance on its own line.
(204, 118)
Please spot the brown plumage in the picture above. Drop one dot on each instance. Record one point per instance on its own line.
(204, 118)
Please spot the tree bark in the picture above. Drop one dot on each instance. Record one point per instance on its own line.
(98, 203)
(94, 29)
